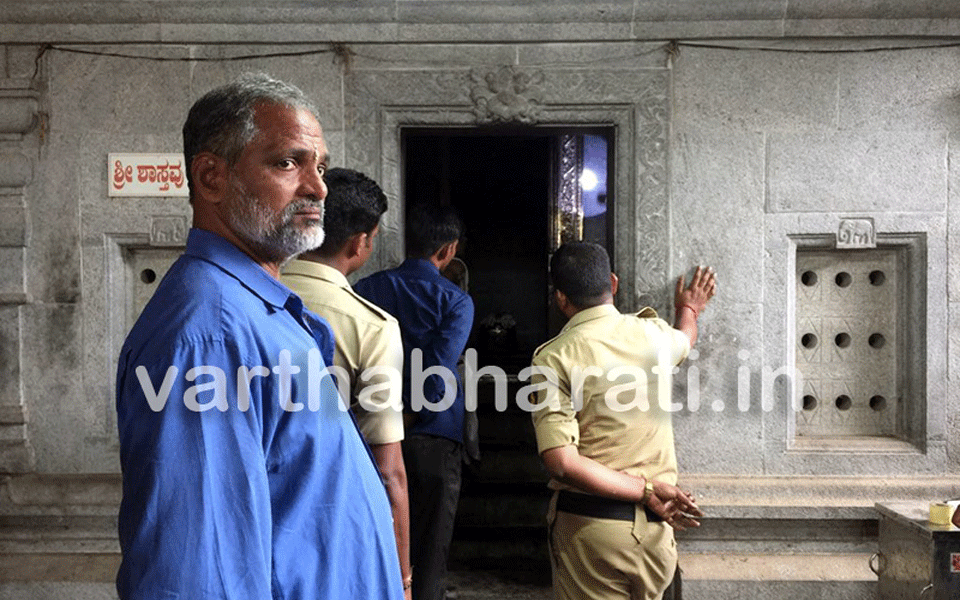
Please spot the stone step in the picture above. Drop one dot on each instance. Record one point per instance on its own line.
(705, 575)
(764, 537)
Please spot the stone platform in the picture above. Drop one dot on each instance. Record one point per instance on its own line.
(90, 577)
(763, 537)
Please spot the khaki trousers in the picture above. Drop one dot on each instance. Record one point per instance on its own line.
(609, 559)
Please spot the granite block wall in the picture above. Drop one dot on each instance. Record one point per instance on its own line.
(762, 145)
(770, 144)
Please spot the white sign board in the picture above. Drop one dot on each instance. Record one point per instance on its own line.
(146, 175)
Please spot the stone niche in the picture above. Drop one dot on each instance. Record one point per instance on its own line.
(848, 308)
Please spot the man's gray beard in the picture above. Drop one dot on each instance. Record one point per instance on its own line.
(274, 237)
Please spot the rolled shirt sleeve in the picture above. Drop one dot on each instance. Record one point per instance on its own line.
(555, 418)
(379, 405)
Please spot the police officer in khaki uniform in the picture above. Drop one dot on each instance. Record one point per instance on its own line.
(369, 349)
(603, 430)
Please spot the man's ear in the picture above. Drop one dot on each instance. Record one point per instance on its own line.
(356, 244)
(614, 283)
(209, 173)
(563, 304)
(447, 251)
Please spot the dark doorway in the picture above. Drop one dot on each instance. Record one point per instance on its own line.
(521, 192)
(501, 188)
(507, 186)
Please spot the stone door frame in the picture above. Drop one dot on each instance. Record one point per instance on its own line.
(379, 103)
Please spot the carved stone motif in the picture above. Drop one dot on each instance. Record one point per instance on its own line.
(651, 205)
(856, 233)
(568, 224)
(17, 114)
(505, 96)
(16, 170)
(168, 230)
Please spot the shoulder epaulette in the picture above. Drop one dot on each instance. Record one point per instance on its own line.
(646, 313)
(545, 344)
(376, 310)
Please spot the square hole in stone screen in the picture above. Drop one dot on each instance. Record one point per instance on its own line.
(847, 342)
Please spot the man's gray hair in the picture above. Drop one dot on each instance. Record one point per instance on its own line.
(222, 121)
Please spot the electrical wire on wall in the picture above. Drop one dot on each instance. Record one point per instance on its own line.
(672, 48)
(340, 52)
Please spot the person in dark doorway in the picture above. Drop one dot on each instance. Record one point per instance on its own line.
(242, 477)
(368, 346)
(435, 319)
(608, 445)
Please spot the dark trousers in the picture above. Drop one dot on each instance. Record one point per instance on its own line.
(433, 482)
(674, 591)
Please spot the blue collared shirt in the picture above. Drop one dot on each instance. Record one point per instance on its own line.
(242, 477)
(435, 316)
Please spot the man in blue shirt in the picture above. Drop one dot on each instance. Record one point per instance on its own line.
(435, 319)
(243, 476)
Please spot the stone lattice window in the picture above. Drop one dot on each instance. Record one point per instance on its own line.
(848, 342)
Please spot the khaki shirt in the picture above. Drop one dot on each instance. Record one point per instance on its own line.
(621, 422)
(366, 336)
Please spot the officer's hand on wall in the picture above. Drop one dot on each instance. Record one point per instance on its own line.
(703, 286)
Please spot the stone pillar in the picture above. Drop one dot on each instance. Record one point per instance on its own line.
(19, 118)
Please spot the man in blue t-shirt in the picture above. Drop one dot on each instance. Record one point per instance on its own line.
(243, 478)
(435, 319)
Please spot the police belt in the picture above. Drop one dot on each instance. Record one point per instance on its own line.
(587, 505)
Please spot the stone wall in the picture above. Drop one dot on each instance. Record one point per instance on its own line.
(762, 146)
(769, 145)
